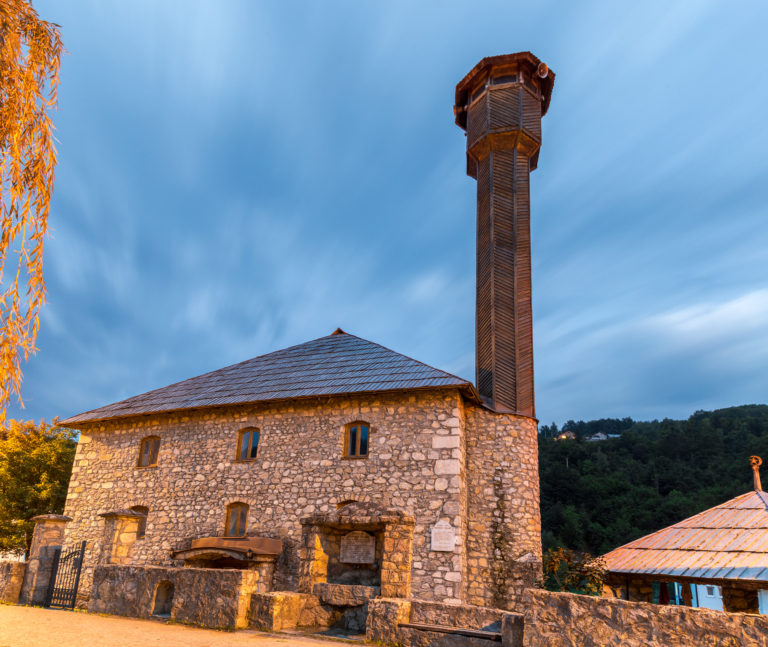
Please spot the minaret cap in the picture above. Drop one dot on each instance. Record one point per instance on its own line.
(520, 60)
(756, 462)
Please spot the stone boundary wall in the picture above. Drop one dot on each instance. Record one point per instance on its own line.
(11, 579)
(215, 598)
(385, 614)
(331, 605)
(570, 620)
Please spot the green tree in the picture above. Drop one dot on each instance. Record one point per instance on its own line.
(30, 51)
(596, 496)
(35, 466)
(567, 570)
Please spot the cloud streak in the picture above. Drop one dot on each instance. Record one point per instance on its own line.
(238, 178)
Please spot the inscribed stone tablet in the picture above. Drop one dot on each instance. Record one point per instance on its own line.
(358, 547)
(443, 537)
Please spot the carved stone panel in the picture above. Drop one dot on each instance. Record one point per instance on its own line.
(358, 547)
(443, 537)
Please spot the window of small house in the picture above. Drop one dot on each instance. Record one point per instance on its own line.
(237, 518)
(247, 444)
(148, 451)
(356, 439)
(142, 529)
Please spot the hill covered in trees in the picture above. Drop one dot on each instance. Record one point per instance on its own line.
(598, 495)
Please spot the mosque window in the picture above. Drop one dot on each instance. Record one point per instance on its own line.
(237, 519)
(247, 444)
(356, 439)
(148, 449)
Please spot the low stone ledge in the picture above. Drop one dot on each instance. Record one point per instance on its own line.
(571, 620)
(456, 615)
(11, 581)
(277, 611)
(345, 595)
(215, 598)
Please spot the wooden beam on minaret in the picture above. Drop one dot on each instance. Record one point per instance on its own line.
(500, 104)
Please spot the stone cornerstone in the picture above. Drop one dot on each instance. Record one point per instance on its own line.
(433, 454)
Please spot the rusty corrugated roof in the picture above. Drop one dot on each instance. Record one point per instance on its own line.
(727, 542)
(334, 365)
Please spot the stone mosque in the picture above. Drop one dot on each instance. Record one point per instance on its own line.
(298, 487)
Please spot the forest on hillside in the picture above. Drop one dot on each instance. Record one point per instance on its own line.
(598, 495)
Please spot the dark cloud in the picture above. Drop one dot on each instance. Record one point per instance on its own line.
(234, 178)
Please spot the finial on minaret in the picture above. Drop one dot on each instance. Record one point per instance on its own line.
(756, 462)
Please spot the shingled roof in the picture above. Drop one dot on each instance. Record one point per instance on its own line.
(334, 365)
(727, 542)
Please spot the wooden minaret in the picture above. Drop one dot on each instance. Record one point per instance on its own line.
(500, 104)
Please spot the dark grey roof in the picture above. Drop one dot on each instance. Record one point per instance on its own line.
(334, 365)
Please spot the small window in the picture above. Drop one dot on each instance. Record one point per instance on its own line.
(247, 444)
(237, 519)
(711, 591)
(508, 78)
(356, 439)
(148, 450)
(142, 529)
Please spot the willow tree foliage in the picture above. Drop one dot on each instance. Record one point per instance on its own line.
(30, 51)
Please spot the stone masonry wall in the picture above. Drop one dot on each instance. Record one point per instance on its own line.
(416, 464)
(570, 620)
(216, 598)
(11, 579)
(503, 554)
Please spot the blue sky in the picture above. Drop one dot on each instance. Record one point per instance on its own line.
(237, 177)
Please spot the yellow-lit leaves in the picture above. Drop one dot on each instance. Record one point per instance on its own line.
(30, 54)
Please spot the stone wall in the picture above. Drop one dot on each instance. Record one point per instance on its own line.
(216, 598)
(384, 616)
(569, 620)
(299, 471)
(503, 555)
(332, 605)
(47, 538)
(11, 579)
(425, 446)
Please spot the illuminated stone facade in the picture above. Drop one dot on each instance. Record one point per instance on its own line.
(433, 455)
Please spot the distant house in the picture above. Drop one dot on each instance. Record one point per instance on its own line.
(717, 559)
(601, 435)
(566, 435)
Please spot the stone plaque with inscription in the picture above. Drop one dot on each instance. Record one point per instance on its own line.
(358, 547)
(443, 537)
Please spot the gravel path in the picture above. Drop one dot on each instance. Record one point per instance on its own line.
(33, 626)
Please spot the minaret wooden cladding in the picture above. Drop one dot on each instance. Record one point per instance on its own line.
(500, 105)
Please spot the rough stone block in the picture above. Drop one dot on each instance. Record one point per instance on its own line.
(11, 580)
(345, 595)
(215, 598)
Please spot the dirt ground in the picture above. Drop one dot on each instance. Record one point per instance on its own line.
(37, 627)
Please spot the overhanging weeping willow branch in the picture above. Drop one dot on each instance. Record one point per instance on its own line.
(30, 52)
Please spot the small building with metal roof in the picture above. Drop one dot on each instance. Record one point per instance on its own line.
(715, 559)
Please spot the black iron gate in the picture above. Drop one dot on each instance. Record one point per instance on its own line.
(65, 577)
